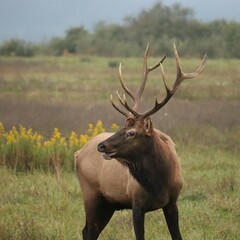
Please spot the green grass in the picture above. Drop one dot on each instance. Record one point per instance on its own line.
(38, 206)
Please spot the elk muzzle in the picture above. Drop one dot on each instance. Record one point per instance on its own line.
(107, 154)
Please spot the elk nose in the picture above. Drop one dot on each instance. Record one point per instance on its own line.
(101, 147)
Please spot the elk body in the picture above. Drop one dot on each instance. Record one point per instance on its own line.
(136, 168)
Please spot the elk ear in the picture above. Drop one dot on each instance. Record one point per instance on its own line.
(148, 126)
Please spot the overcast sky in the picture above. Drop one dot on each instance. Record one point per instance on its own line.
(39, 20)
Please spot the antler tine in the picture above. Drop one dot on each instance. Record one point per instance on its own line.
(143, 82)
(117, 108)
(146, 70)
(126, 89)
(181, 76)
(164, 80)
(125, 104)
(158, 63)
(157, 105)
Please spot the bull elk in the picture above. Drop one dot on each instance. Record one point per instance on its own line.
(137, 167)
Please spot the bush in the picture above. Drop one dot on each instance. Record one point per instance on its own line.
(23, 150)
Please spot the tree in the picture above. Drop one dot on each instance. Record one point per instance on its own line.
(160, 24)
(77, 40)
(15, 47)
(232, 39)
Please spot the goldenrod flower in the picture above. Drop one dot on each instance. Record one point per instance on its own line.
(2, 129)
(114, 127)
(83, 139)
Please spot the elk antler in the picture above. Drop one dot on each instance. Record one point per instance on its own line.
(180, 77)
(137, 96)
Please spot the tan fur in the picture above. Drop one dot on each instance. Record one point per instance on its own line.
(109, 177)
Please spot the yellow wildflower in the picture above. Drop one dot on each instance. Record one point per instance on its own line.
(114, 127)
(73, 140)
(2, 132)
(98, 129)
(83, 139)
(46, 144)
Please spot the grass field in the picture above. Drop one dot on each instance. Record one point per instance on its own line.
(70, 92)
(37, 206)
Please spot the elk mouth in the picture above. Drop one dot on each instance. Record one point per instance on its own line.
(106, 154)
(109, 155)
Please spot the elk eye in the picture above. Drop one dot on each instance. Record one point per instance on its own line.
(131, 134)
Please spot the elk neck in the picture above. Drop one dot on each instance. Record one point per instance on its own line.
(149, 166)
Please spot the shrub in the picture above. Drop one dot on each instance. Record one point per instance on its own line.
(24, 150)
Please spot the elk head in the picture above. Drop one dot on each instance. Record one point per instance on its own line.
(135, 136)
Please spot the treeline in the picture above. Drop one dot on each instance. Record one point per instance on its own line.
(160, 26)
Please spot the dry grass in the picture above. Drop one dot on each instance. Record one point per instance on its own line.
(43, 116)
(70, 92)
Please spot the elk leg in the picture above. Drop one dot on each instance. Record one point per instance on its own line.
(105, 212)
(90, 231)
(98, 214)
(171, 216)
(138, 223)
(84, 232)
(91, 202)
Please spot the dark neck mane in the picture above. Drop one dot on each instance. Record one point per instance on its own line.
(150, 167)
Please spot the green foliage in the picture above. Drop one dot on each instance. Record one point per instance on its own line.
(232, 38)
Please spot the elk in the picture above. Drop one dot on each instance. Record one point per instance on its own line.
(137, 167)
